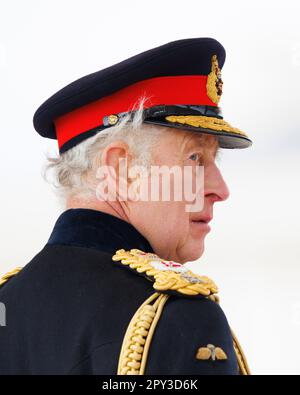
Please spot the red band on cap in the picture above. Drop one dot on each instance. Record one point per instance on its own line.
(190, 89)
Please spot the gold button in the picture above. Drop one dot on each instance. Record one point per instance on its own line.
(112, 119)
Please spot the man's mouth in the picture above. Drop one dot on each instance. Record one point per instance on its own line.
(205, 220)
(201, 223)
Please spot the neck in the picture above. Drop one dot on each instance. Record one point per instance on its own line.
(89, 228)
(114, 208)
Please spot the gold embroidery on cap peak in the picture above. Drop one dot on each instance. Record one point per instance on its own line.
(167, 275)
(214, 83)
(201, 121)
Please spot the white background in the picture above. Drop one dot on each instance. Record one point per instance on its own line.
(253, 249)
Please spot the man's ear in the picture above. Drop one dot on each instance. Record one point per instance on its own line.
(113, 153)
(116, 158)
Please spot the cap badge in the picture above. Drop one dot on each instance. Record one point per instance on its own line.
(214, 81)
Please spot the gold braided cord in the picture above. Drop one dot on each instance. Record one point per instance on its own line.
(138, 346)
(241, 358)
(214, 298)
(163, 279)
(201, 121)
(151, 331)
(240, 355)
(10, 274)
(138, 336)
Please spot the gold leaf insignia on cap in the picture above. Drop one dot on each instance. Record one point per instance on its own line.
(201, 121)
(214, 83)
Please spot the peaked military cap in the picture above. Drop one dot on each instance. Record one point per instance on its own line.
(181, 79)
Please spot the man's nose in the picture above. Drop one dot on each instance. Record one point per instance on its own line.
(214, 185)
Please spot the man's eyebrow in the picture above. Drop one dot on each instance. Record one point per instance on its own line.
(199, 142)
(216, 149)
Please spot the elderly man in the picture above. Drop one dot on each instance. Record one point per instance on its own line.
(109, 293)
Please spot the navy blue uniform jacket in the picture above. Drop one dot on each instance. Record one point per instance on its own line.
(68, 309)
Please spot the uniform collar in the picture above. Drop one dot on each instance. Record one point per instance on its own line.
(88, 228)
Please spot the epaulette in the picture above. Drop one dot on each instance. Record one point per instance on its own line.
(167, 276)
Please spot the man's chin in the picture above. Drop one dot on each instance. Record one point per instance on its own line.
(194, 253)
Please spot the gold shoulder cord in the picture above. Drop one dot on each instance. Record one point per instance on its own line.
(137, 339)
(240, 355)
(8, 275)
(241, 358)
(138, 336)
(139, 333)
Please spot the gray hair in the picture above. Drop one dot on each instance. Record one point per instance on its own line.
(69, 171)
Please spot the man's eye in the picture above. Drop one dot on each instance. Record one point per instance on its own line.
(196, 158)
